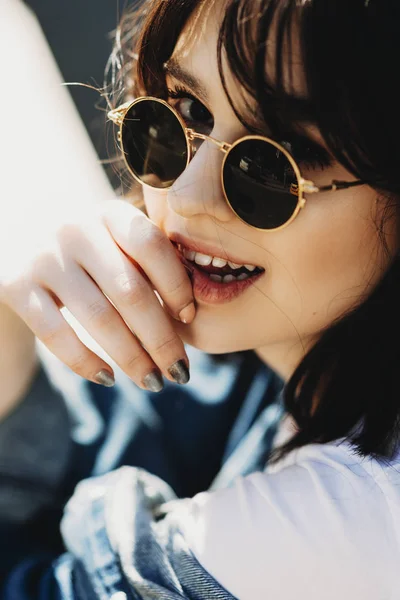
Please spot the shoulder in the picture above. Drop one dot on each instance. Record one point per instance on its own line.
(320, 524)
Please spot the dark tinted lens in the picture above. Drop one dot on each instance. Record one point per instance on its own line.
(154, 143)
(260, 184)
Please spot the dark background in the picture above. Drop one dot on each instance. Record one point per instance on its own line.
(80, 35)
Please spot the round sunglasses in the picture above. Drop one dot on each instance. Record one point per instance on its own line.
(261, 181)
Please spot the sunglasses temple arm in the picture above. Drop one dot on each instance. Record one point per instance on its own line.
(117, 114)
(338, 185)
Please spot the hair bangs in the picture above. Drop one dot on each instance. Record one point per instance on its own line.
(298, 62)
(158, 42)
(312, 62)
(256, 41)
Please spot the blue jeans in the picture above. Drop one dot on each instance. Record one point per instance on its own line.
(194, 437)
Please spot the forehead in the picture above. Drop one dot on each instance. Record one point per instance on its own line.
(196, 54)
(195, 62)
(197, 46)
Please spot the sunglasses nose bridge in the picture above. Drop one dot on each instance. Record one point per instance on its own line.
(193, 135)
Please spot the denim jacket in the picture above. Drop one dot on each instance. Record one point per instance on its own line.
(136, 458)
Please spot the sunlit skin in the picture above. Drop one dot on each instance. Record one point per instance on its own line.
(326, 261)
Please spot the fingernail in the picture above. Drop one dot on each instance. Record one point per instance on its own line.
(179, 372)
(105, 378)
(154, 381)
(188, 313)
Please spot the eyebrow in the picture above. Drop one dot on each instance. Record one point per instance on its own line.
(175, 70)
(300, 109)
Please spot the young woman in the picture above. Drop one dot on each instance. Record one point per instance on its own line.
(264, 137)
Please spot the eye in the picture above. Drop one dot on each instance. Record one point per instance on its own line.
(192, 111)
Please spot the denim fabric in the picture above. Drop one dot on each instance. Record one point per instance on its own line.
(32, 465)
(148, 557)
(194, 437)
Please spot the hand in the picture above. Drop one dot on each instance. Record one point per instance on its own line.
(105, 267)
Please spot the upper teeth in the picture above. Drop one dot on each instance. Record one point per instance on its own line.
(205, 260)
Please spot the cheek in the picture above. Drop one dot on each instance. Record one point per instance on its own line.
(326, 261)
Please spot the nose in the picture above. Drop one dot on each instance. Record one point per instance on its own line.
(199, 190)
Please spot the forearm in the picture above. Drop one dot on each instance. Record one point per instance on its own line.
(18, 360)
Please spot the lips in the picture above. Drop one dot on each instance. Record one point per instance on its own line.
(206, 248)
(221, 271)
(207, 291)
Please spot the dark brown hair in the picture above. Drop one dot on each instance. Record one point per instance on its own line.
(349, 52)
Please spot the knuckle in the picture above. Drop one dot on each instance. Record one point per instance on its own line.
(68, 234)
(165, 345)
(131, 289)
(177, 286)
(151, 237)
(131, 364)
(45, 266)
(99, 314)
(78, 363)
(11, 292)
(50, 336)
(102, 208)
(110, 207)
(61, 340)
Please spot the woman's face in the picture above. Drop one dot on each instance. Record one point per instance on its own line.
(319, 266)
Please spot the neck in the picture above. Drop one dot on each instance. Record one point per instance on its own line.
(283, 358)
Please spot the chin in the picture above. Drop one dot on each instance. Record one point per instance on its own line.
(210, 343)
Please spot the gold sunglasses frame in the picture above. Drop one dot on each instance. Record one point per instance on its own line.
(304, 186)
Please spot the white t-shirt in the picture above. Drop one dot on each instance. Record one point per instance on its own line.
(323, 524)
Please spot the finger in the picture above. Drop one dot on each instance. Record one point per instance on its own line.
(48, 324)
(124, 317)
(145, 244)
